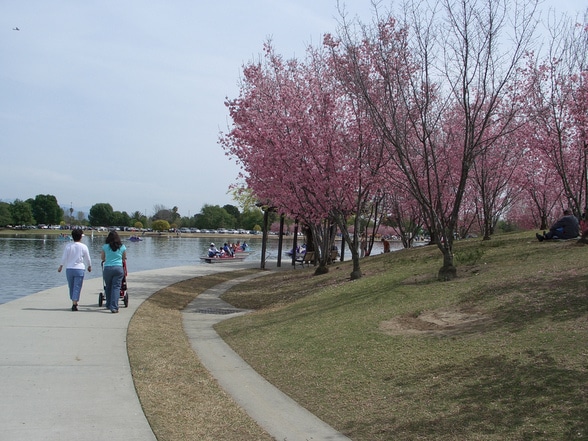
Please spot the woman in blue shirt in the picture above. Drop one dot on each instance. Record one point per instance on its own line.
(113, 254)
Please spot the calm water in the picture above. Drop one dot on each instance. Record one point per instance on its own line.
(28, 263)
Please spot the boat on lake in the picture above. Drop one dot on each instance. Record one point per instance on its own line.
(223, 259)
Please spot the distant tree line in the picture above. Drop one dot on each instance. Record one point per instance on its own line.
(45, 210)
(210, 217)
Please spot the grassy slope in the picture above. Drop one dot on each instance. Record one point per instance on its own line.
(521, 372)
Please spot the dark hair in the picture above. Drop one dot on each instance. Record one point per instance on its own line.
(77, 235)
(113, 240)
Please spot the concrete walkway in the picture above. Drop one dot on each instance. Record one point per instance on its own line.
(273, 410)
(65, 375)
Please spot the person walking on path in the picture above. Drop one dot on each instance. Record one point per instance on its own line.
(75, 257)
(113, 254)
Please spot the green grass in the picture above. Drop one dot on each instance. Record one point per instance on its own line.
(363, 357)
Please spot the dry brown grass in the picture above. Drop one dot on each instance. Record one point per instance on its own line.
(179, 397)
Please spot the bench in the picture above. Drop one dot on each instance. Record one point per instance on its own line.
(307, 258)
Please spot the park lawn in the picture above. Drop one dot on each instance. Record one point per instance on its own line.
(499, 353)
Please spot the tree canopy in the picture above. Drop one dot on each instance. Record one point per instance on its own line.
(46, 210)
(5, 214)
(214, 216)
(435, 115)
(101, 214)
(22, 213)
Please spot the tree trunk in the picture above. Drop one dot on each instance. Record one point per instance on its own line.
(352, 242)
(448, 271)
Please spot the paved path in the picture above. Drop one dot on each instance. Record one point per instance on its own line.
(273, 410)
(65, 375)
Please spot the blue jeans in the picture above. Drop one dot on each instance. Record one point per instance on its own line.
(75, 279)
(113, 277)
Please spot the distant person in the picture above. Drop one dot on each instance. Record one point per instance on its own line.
(567, 227)
(227, 249)
(113, 254)
(386, 244)
(75, 258)
(364, 252)
(212, 251)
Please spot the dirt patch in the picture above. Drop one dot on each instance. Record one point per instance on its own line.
(438, 322)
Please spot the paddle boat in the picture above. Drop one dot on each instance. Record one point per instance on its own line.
(135, 239)
(222, 259)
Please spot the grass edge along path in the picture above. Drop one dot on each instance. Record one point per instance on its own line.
(365, 356)
(380, 358)
(180, 399)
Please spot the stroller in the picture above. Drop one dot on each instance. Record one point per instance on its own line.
(124, 296)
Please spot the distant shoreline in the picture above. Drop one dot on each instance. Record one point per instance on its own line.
(50, 232)
(126, 234)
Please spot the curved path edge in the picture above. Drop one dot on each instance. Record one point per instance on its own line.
(65, 375)
(282, 417)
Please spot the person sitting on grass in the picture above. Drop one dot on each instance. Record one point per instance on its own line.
(567, 227)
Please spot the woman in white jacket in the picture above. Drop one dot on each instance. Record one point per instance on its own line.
(75, 257)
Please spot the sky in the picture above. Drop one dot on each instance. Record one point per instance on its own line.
(122, 101)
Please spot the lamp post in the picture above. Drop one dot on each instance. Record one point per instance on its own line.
(266, 208)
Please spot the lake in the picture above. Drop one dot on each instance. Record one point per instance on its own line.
(28, 263)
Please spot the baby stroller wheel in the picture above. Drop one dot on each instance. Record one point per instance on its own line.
(126, 300)
(100, 299)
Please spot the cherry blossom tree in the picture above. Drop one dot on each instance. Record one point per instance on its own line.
(284, 164)
(428, 118)
(404, 215)
(556, 108)
(303, 146)
(447, 58)
(493, 180)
